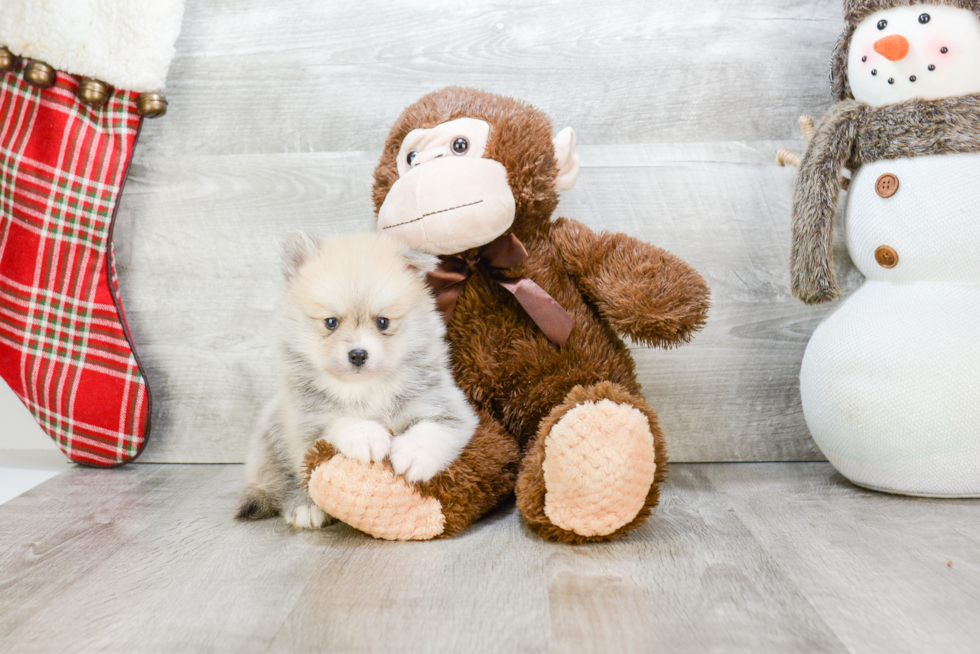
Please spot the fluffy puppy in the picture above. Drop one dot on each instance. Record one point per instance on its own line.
(362, 363)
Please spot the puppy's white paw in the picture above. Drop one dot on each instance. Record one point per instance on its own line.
(364, 440)
(424, 451)
(308, 516)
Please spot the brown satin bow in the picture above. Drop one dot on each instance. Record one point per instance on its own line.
(494, 259)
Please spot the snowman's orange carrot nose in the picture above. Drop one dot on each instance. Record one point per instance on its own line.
(892, 47)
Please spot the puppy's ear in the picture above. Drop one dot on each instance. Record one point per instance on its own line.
(420, 263)
(300, 248)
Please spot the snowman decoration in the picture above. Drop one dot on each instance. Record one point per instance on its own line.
(890, 382)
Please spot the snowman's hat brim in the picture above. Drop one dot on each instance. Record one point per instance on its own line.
(856, 11)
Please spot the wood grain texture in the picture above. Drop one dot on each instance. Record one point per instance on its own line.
(277, 117)
(886, 573)
(760, 558)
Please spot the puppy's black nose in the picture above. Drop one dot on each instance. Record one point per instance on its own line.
(357, 357)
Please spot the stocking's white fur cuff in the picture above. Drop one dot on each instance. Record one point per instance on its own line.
(126, 43)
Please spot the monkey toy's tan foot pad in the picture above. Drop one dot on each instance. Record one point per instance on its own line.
(370, 498)
(598, 466)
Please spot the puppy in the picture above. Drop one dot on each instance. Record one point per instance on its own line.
(362, 362)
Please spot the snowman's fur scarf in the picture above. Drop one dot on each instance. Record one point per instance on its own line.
(857, 10)
(403, 386)
(853, 134)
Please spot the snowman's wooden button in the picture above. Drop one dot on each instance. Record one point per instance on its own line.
(887, 185)
(886, 257)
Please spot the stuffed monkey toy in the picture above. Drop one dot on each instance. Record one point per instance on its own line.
(888, 381)
(536, 310)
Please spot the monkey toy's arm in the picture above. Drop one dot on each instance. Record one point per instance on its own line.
(646, 293)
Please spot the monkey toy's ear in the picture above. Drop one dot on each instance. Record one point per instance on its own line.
(567, 157)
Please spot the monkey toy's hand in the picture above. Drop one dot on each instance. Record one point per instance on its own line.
(645, 292)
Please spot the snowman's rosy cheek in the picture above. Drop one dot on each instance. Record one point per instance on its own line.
(867, 51)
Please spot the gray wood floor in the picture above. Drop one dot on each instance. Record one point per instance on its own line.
(278, 113)
(739, 558)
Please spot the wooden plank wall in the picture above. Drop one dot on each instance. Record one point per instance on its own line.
(278, 112)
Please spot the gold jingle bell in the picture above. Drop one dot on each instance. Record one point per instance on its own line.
(93, 92)
(39, 74)
(7, 60)
(152, 104)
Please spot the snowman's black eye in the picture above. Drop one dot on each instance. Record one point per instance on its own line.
(882, 24)
(925, 18)
(331, 323)
(944, 50)
(411, 157)
(864, 59)
(460, 145)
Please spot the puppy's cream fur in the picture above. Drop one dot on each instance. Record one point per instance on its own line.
(349, 301)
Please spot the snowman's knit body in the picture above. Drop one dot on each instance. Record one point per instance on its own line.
(889, 382)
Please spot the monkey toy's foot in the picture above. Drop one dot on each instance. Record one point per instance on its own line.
(372, 499)
(593, 472)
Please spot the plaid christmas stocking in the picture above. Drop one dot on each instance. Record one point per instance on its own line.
(66, 142)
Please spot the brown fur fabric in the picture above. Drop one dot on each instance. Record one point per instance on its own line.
(857, 10)
(320, 453)
(530, 483)
(852, 134)
(609, 284)
(482, 476)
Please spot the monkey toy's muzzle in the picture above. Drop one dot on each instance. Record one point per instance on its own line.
(449, 205)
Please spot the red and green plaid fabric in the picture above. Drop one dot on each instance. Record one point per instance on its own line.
(64, 344)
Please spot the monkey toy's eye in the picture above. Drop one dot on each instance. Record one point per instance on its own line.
(331, 323)
(925, 18)
(382, 324)
(882, 24)
(460, 145)
(411, 157)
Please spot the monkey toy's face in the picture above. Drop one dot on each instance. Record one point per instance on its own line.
(451, 194)
(448, 197)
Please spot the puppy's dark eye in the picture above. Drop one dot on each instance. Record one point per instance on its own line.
(331, 323)
(925, 18)
(411, 157)
(882, 24)
(382, 323)
(460, 145)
